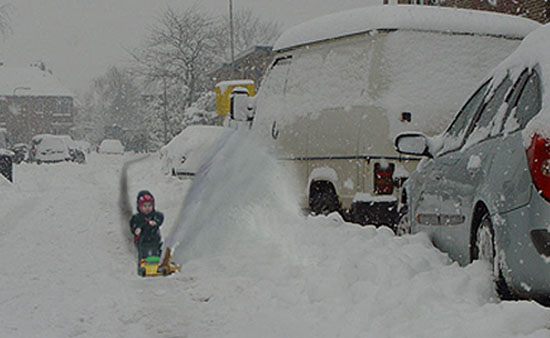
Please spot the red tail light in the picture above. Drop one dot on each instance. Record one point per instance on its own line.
(383, 178)
(538, 158)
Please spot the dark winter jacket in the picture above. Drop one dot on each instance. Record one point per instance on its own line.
(149, 233)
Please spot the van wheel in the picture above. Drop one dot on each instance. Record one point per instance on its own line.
(483, 248)
(322, 198)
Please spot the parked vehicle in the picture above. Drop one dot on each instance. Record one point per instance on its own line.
(77, 155)
(48, 148)
(6, 156)
(110, 146)
(21, 151)
(182, 155)
(483, 188)
(342, 86)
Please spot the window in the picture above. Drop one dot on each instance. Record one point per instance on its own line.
(493, 112)
(452, 139)
(494, 104)
(530, 101)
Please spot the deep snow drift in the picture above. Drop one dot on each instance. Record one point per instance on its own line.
(253, 266)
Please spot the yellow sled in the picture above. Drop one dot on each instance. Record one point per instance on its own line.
(152, 266)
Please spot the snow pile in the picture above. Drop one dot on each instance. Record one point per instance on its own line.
(261, 270)
(430, 18)
(5, 185)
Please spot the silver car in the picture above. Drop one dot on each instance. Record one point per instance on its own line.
(482, 190)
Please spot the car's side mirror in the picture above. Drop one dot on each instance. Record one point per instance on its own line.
(241, 108)
(412, 144)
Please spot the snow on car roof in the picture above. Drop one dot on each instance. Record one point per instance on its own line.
(534, 51)
(30, 81)
(426, 18)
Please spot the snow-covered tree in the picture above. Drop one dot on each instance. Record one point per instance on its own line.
(112, 105)
(179, 50)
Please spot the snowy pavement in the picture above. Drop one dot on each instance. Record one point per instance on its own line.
(269, 272)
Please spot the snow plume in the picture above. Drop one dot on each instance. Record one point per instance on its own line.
(240, 201)
(124, 202)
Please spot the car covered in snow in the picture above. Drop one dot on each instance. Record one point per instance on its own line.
(182, 155)
(482, 190)
(111, 146)
(47, 148)
(342, 86)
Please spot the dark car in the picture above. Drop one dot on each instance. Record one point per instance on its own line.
(6, 156)
(76, 153)
(20, 151)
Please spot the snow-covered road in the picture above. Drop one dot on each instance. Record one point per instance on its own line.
(67, 271)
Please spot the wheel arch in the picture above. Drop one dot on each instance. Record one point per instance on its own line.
(480, 209)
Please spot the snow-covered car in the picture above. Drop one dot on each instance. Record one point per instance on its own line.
(48, 148)
(111, 146)
(483, 188)
(182, 155)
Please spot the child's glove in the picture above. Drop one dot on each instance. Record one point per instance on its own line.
(137, 231)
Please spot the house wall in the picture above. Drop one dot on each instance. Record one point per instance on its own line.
(26, 116)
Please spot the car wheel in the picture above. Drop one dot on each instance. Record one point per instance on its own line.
(141, 272)
(403, 226)
(484, 249)
(323, 199)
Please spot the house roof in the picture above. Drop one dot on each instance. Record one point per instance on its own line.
(30, 81)
(427, 18)
(240, 56)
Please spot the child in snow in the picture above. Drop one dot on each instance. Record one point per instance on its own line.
(145, 226)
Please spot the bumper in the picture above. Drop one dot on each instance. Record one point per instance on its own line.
(523, 242)
(377, 213)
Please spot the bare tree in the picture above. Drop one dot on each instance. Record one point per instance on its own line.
(113, 100)
(249, 31)
(180, 47)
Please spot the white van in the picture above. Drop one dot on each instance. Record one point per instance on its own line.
(342, 86)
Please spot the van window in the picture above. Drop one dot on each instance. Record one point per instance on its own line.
(276, 80)
(453, 137)
(530, 101)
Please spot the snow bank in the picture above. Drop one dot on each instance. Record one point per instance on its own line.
(268, 272)
(442, 19)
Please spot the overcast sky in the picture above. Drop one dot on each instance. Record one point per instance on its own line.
(79, 39)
